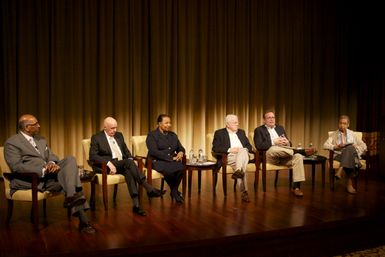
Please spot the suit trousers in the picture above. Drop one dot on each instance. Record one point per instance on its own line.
(239, 161)
(131, 173)
(67, 180)
(283, 156)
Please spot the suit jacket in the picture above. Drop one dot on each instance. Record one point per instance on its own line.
(221, 142)
(262, 138)
(100, 150)
(22, 157)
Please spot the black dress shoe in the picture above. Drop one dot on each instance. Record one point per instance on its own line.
(77, 199)
(86, 228)
(178, 198)
(139, 211)
(156, 193)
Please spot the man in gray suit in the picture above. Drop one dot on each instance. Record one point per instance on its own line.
(27, 152)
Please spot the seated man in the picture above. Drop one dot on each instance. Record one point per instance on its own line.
(347, 150)
(272, 139)
(27, 152)
(233, 141)
(108, 146)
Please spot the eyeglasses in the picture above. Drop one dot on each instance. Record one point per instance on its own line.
(33, 124)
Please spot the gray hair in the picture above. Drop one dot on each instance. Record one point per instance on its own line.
(230, 117)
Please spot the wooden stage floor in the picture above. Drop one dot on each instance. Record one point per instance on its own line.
(275, 223)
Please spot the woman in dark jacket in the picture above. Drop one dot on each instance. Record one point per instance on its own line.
(167, 153)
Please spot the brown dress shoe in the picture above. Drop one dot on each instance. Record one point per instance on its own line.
(297, 192)
(238, 174)
(245, 197)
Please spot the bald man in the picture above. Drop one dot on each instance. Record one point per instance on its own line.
(27, 152)
(108, 146)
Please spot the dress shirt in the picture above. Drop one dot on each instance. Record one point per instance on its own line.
(234, 140)
(273, 134)
(115, 149)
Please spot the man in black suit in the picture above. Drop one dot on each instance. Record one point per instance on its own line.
(272, 138)
(233, 141)
(108, 146)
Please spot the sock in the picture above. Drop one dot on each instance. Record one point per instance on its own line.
(136, 201)
(147, 186)
(78, 189)
(296, 185)
(82, 217)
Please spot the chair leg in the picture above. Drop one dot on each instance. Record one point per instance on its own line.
(115, 192)
(290, 178)
(92, 197)
(235, 185)
(105, 196)
(331, 179)
(256, 179)
(35, 214)
(214, 181)
(224, 182)
(9, 211)
(276, 178)
(45, 208)
(264, 180)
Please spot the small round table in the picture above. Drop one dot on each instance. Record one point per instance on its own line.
(199, 166)
(314, 160)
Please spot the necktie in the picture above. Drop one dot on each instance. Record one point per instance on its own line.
(115, 149)
(33, 143)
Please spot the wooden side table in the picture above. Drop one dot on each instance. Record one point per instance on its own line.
(199, 167)
(313, 161)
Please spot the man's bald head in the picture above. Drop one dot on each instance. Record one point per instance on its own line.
(110, 126)
(29, 124)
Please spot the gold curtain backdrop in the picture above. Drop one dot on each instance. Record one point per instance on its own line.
(72, 63)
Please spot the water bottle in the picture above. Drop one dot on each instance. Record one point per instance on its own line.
(200, 155)
(191, 155)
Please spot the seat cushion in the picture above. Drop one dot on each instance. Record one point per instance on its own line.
(336, 164)
(26, 195)
(270, 166)
(155, 174)
(111, 179)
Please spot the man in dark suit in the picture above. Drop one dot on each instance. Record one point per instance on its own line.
(27, 152)
(108, 146)
(272, 138)
(233, 141)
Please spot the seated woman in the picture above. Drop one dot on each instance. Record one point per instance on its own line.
(167, 153)
(347, 150)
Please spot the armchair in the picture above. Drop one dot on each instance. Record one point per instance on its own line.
(262, 164)
(226, 169)
(28, 195)
(100, 178)
(144, 161)
(334, 165)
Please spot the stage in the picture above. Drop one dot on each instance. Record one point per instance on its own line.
(275, 223)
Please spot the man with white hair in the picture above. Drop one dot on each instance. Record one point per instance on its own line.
(108, 146)
(233, 141)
